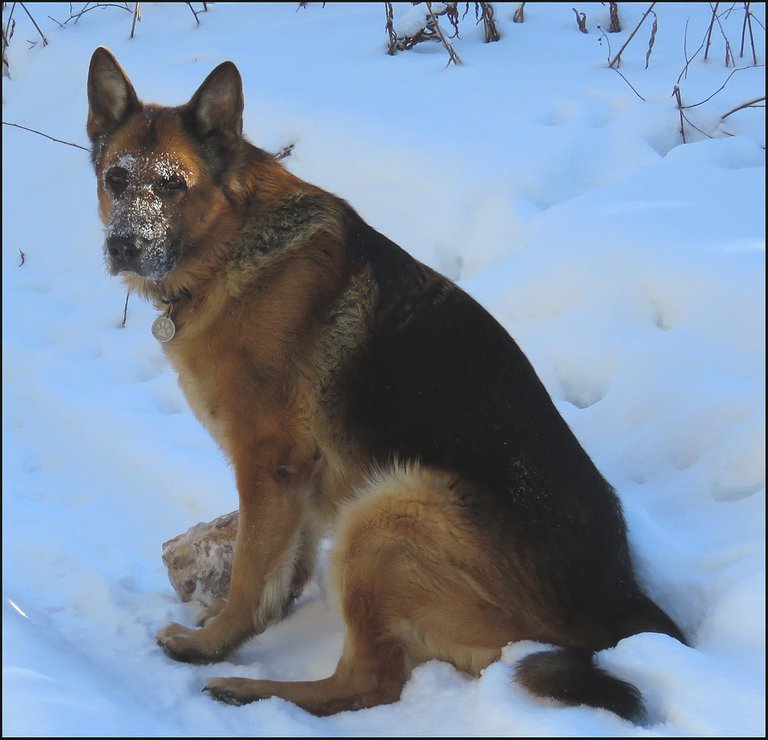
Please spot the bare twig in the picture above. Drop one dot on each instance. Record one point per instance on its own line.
(709, 30)
(489, 25)
(613, 9)
(748, 104)
(22, 257)
(692, 125)
(616, 60)
(10, 18)
(431, 31)
(391, 34)
(519, 14)
(8, 29)
(707, 99)
(683, 118)
(581, 20)
(88, 7)
(688, 60)
(136, 16)
(452, 55)
(748, 24)
(40, 133)
(676, 94)
(615, 69)
(34, 23)
(451, 12)
(194, 12)
(125, 309)
(728, 53)
(744, 30)
(651, 40)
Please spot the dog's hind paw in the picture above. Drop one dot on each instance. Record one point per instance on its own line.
(235, 691)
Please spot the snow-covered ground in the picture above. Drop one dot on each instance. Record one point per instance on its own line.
(629, 266)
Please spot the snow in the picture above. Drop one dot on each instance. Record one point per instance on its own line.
(629, 266)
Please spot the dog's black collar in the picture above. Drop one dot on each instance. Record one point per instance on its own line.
(172, 300)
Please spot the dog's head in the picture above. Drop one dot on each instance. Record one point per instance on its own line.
(160, 170)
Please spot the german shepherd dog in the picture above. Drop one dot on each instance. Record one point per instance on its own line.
(349, 384)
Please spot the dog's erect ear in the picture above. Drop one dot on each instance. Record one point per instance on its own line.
(215, 111)
(111, 97)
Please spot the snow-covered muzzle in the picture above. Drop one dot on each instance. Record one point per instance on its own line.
(143, 193)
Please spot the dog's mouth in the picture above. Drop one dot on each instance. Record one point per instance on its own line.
(132, 254)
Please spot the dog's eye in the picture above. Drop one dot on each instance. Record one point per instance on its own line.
(172, 183)
(117, 178)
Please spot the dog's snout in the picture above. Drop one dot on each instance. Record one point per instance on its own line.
(122, 248)
(124, 253)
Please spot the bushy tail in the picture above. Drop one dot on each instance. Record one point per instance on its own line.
(570, 675)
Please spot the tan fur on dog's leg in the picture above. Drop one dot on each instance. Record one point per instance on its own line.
(405, 562)
(369, 673)
(209, 612)
(267, 547)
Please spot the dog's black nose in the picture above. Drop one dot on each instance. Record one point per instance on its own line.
(123, 250)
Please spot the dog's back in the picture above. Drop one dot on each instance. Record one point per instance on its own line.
(439, 381)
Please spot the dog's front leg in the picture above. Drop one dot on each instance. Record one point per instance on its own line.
(273, 482)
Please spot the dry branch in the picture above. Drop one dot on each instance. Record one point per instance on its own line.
(748, 104)
(431, 30)
(616, 60)
(452, 55)
(676, 93)
(489, 24)
(581, 20)
(91, 6)
(136, 16)
(615, 69)
(451, 12)
(748, 24)
(8, 29)
(688, 60)
(34, 23)
(519, 14)
(728, 53)
(709, 97)
(40, 133)
(391, 35)
(683, 118)
(709, 30)
(618, 71)
(194, 12)
(125, 309)
(651, 40)
(615, 26)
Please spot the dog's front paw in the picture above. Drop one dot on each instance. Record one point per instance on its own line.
(206, 614)
(235, 691)
(185, 644)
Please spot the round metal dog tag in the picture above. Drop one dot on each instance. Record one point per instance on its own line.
(163, 329)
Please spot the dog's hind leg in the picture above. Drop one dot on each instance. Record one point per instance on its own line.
(414, 585)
